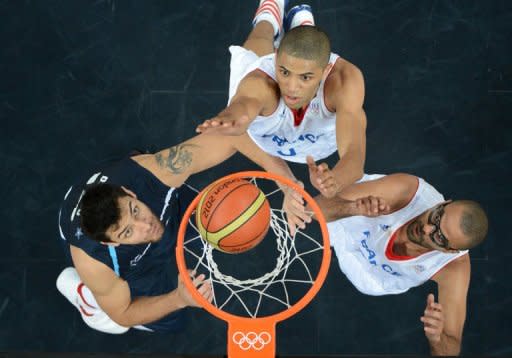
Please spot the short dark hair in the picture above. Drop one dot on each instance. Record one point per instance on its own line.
(307, 42)
(99, 209)
(473, 222)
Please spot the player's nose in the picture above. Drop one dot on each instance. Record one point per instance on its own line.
(427, 228)
(293, 86)
(144, 225)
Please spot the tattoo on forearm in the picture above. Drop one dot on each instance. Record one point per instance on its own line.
(178, 159)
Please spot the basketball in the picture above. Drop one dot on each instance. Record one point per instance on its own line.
(233, 215)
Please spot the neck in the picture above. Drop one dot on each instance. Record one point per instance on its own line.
(406, 247)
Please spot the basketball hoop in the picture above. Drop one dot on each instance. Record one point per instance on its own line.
(253, 305)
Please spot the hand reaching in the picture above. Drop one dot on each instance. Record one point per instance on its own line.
(293, 206)
(223, 126)
(322, 178)
(371, 206)
(433, 319)
(202, 286)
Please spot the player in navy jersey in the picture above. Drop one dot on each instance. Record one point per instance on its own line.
(119, 226)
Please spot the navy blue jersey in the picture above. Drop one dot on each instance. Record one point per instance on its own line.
(150, 269)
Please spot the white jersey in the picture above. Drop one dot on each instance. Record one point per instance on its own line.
(363, 247)
(277, 134)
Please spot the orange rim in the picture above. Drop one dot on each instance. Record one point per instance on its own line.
(277, 317)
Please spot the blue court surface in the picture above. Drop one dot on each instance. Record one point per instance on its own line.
(86, 82)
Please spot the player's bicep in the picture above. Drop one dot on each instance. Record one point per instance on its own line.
(351, 131)
(396, 189)
(174, 165)
(115, 300)
(351, 95)
(111, 292)
(350, 115)
(253, 94)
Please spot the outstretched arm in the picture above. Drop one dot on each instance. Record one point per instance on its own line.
(444, 321)
(113, 293)
(370, 198)
(253, 97)
(174, 165)
(346, 93)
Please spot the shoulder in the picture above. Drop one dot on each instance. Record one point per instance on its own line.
(344, 85)
(345, 75)
(260, 81)
(455, 272)
(259, 87)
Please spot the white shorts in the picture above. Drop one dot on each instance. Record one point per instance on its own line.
(242, 62)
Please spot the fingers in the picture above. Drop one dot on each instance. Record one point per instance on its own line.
(311, 162)
(224, 125)
(372, 206)
(212, 123)
(326, 183)
(293, 206)
(322, 178)
(291, 225)
(201, 284)
(205, 289)
(198, 280)
(206, 125)
(433, 319)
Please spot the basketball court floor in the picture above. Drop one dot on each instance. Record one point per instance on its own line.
(85, 82)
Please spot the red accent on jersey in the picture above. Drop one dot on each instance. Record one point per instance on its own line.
(389, 250)
(298, 115)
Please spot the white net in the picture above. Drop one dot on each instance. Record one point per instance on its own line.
(267, 279)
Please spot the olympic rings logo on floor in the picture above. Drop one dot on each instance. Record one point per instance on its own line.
(252, 340)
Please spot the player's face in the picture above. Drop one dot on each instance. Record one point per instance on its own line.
(298, 79)
(137, 224)
(437, 228)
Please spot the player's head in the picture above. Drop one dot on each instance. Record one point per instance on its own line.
(113, 214)
(301, 63)
(450, 226)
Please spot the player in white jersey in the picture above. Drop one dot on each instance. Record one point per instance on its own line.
(391, 233)
(301, 100)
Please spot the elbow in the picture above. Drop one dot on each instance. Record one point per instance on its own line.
(358, 173)
(446, 346)
(123, 321)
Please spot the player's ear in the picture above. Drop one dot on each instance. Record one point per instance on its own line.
(129, 192)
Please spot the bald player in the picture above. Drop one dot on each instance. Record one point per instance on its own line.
(394, 232)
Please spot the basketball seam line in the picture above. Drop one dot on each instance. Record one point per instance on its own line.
(220, 202)
(256, 237)
(261, 195)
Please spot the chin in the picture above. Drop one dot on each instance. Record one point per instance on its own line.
(295, 106)
(156, 239)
